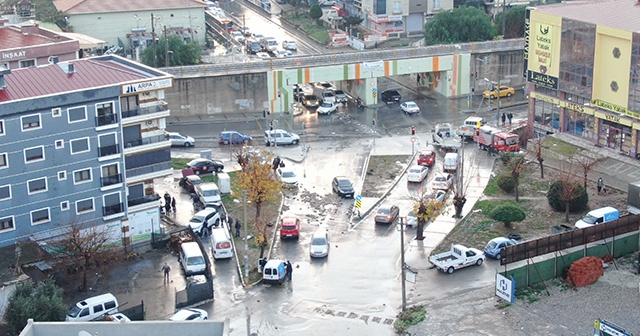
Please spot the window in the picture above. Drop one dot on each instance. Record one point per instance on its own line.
(97, 308)
(397, 7)
(40, 216)
(33, 154)
(112, 204)
(5, 192)
(4, 163)
(108, 144)
(62, 175)
(1, 127)
(81, 176)
(436, 4)
(79, 146)
(110, 175)
(6, 223)
(77, 114)
(104, 109)
(27, 63)
(37, 185)
(64, 205)
(105, 115)
(56, 112)
(30, 122)
(59, 144)
(85, 205)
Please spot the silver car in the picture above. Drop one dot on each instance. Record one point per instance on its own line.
(319, 247)
(178, 139)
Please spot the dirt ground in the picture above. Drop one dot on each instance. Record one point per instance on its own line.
(381, 171)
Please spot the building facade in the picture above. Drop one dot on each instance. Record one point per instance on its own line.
(582, 62)
(31, 45)
(395, 18)
(81, 143)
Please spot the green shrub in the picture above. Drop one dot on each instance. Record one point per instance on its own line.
(506, 183)
(411, 316)
(508, 214)
(578, 200)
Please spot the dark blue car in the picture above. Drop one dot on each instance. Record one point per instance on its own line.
(233, 137)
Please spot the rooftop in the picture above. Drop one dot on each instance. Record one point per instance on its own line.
(20, 37)
(107, 6)
(620, 14)
(96, 72)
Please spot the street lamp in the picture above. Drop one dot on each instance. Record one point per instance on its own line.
(402, 267)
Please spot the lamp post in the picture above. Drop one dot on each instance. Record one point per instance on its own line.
(403, 266)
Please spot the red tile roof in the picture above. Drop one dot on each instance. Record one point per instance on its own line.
(620, 14)
(89, 73)
(105, 6)
(12, 37)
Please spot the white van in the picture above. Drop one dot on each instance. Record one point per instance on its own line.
(208, 192)
(93, 308)
(191, 259)
(221, 243)
(451, 162)
(274, 272)
(598, 216)
(280, 137)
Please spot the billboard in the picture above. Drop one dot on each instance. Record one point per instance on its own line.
(542, 47)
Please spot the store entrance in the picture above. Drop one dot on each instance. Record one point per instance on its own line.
(613, 137)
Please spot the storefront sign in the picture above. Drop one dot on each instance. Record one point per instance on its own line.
(375, 38)
(505, 288)
(12, 54)
(614, 108)
(614, 119)
(562, 103)
(543, 49)
(385, 18)
(147, 86)
(527, 26)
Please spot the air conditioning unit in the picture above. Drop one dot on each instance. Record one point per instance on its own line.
(149, 122)
(53, 59)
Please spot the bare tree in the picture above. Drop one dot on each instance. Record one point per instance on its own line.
(567, 187)
(517, 164)
(537, 151)
(461, 187)
(587, 164)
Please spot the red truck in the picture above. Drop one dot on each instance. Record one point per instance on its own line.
(499, 140)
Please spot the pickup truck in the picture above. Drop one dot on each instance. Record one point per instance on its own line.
(458, 257)
(444, 137)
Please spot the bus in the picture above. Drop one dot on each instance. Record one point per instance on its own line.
(219, 21)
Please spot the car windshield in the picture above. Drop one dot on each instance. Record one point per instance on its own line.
(441, 179)
(196, 182)
(589, 219)
(192, 261)
(326, 104)
(415, 171)
(210, 193)
(339, 92)
(383, 211)
(288, 174)
(310, 97)
(289, 227)
(327, 94)
(411, 105)
(318, 241)
(197, 219)
(74, 311)
(344, 183)
(492, 245)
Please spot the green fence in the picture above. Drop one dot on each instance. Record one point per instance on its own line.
(553, 267)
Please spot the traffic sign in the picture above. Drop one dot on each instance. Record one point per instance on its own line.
(414, 139)
(358, 204)
(359, 197)
(375, 94)
(374, 90)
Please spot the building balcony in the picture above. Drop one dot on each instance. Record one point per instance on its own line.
(145, 144)
(113, 209)
(111, 180)
(160, 110)
(108, 150)
(143, 200)
(107, 119)
(152, 171)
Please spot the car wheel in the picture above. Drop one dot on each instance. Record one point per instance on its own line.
(450, 270)
(245, 141)
(197, 172)
(187, 144)
(225, 142)
(218, 169)
(498, 256)
(508, 94)
(479, 262)
(294, 142)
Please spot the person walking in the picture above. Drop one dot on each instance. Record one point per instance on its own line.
(510, 116)
(173, 204)
(167, 207)
(600, 185)
(238, 226)
(276, 163)
(289, 270)
(167, 197)
(229, 221)
(503, 118)
(166, 269)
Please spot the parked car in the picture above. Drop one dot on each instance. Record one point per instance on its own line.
(342, 186)
(390, 96)
(178, 139)
(438, 196)
(410, 107)
(253, 47)
(263, 55)
(505, 91)
(410, 219)
(326, 2)
(289, 45)
(327, 108)
(234, 137)
(426, 158)
(458, 257)
(319, 247)
(496, 245)
(217, 206)
(208, 192)
(282, 53)
(387, 214)
(290, 227)
(190, 182)
(442, 182)
(190, 314)
(287, 176)
(341, 97)
(201, 166)
(417, 173)
(310, 100)
(204, 220)
(238, 36)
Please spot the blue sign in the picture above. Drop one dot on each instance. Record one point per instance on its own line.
(358, 198)
(374, 90)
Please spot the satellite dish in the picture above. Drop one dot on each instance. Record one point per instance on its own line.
(84, 333)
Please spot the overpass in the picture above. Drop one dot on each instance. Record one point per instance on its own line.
(251, 86)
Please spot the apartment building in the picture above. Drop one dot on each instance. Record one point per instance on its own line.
(81, 142)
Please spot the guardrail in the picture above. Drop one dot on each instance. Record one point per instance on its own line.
(259, 66)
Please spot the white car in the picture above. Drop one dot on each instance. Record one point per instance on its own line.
(438, 196)
(208, 193)
(289, 45)
(258, 37)
(417, 173)
(442, 182)
(282, 53)
(411, 219)
(326, 3)
(238, 36)
(204, 219)
(246, 31)
(410, 107)
(327, 108)
(263, 55)
(287, 176)
(178, 139)
(191, 314)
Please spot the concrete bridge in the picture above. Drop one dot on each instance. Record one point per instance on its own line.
(228, 88)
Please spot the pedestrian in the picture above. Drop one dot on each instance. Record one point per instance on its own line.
(167, 207)
(166, 269)
(503, 118)
(173, 204)
(600, 185)
(238, 226)
(510, 116)
(229, 221)
(276, 163)
(289, 270)
(167, 197)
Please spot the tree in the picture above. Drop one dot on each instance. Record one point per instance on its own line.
(460, 25)
(261, 186)
(426, 210)
(40, 302)
(315, 12)
(510, 23)
(47, 12)
(508, 214)
(537, 151)
(587, 164)
(517, 164)
(566, 194)
(184, 53)
(463, 180)
(506, 183)
(351, 21)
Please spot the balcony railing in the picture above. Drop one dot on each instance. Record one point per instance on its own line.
(108, 150)
(145, 110)
(112, 179)
(142, 200)
(144, 141)
(148, 169)
(112, 209)
(106, 119)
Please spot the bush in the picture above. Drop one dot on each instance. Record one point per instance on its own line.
(41, 302)
(410, 317)
(507, 214)
(578, 201)
(506, 183)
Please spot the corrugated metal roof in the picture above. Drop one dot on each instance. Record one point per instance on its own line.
(105, 6)
(621, 14)
(52, 79)
(12, 37)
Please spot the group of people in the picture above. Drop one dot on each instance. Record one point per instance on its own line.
(504, 117)
(169, 203)
(230, 224)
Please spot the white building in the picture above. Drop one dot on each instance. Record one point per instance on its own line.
(397, 18)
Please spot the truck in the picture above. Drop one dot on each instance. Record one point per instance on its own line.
(445, 138)
(468, 127)
(497, 139)
(633, 198)
(458, 257)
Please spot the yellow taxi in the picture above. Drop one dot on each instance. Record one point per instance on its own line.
(505, 91)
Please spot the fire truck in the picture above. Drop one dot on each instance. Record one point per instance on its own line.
(501, 141)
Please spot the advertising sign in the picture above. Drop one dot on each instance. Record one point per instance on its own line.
(147, 86)
(505, 288)
(605, 328)
(543, 41)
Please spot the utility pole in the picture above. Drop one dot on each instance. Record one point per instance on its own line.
(153, 34)
(403, 266)
(246, 236)
(166, 47)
